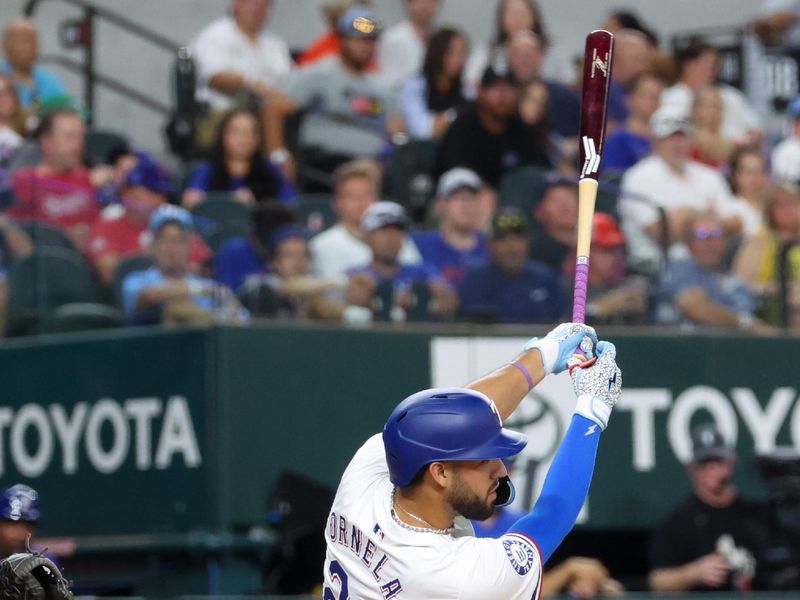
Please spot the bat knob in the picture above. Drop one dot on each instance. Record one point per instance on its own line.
(584, 355)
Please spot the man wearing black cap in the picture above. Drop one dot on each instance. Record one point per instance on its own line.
(511, 288)
(708, 541)
(492, 139)
(349, 111)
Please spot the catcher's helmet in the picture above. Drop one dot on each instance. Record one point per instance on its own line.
(444, 424)
(19, 503)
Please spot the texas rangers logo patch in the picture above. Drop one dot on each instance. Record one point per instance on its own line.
(520, 553)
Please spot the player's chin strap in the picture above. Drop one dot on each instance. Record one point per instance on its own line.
(505, 492)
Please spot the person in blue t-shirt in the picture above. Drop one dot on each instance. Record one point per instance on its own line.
(701, 289)
(21, 47)
(630, 142)
(385, 226)
(510, 288)
(168, 291)
(458, 243)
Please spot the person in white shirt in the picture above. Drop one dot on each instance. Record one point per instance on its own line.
(670, 180)
(398, 525)
(402, 47)
(698, 65)
(341, 247)
(785, 158)
(237, 58)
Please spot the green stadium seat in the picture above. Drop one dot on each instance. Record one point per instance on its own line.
(42, 281)
(222, 206)
(45, 235)
(315, 211)
(410, 175)
(521, 188)
(102, 144)
(85, 316)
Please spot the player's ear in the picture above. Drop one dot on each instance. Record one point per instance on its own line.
(439, 472)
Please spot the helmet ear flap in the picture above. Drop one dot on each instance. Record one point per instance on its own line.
(505, 492)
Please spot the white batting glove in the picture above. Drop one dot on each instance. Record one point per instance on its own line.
(559, 345)
(598, 387)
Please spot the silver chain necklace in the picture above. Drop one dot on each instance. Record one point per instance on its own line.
(428, 528)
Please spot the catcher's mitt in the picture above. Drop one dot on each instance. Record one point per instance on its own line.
(31, 576)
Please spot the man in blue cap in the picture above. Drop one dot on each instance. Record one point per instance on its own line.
(122, 229)
(168, 291)
(19, 513)
(350, 112)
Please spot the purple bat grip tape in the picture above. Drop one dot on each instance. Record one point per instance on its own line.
(581, 283)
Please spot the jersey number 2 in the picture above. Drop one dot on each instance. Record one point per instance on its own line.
(337, 572)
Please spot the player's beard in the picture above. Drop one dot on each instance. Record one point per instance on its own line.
(467, 503)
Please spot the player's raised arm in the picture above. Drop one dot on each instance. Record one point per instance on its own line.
(509, 384)
(598, 388)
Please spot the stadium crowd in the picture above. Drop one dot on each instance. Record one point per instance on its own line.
(402, 174)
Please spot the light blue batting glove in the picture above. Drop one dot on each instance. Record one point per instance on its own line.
(599, 386)
(558, 346)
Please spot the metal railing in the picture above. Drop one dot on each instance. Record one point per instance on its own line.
(80, 33)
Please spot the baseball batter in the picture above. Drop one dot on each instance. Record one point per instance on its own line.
(398, 527)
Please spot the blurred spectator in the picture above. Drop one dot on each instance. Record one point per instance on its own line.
(14, 243)
(59, 190)
(122, 230)
(614, 298)
(660, 64)
(458, 243)
(749, 182)
(580, 577)
(671, 180)
(778, 23)
(491, 139)
(21, 46)
(511, 17)
(327, 44)
(385, 226)
(785, 158)
(237, 58)
(632, 58)
(510, 288)
(402, 47)
(340, 248)
(526, 57)
(168, 292)
(237, 166)
(710, 146)
(241, 257)
(708, 541)
(298, 293)
(556, 212)
(19, 513)
(349, 112)
(698, 64)
(700, 288)
(12, 121)
(630, 142)
(432, 100)
(758, 259)
(534, 110)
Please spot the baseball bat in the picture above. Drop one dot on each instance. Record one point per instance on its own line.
(594, 107)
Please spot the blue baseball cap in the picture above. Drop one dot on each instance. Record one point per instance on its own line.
(286, 232)
(169, 213)
(20, 503)
(793, 110)
(359, 21)
(149, 174)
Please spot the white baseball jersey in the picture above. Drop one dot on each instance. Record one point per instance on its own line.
(372, 555)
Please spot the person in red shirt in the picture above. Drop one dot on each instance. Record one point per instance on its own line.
(60, 190)
(122, 229)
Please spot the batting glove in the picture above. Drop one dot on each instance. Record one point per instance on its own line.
(598, 387)
(559, 345)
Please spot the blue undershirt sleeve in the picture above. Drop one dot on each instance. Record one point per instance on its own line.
(565, 488)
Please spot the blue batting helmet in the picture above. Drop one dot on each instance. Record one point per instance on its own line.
(444, 424)
(19, 503)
